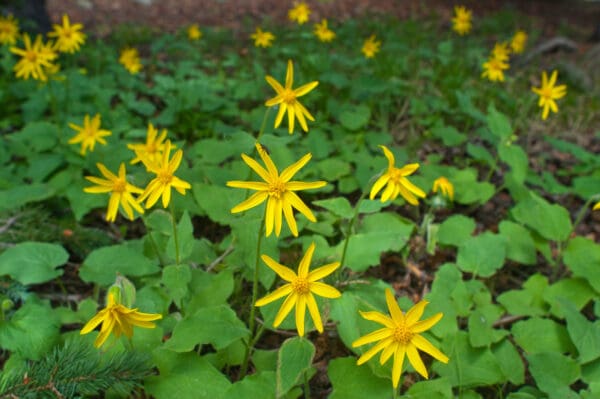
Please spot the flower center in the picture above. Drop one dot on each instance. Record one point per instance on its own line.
(547, 93)
(395, 175)
(276, 189)
(31, 56)
(289, 96)
(301, 286)
(165, 178)
(119, 186)
(402, 334)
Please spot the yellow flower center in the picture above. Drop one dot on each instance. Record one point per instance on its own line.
(31, 56)
(276, 189)
(301, 286)
(119, 186)
(165, 178)
(289, 97)
(402, 334)
(395, 175)
(547, 93)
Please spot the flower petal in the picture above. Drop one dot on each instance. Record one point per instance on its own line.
(378, 317)
(282, 271)
(423, 344)
(255, 166)
(254, 200)
(415, 360)
(323, 271)
(250, 185)
(291, 170)
(374, 336)
(297, 203)
(289, 218)
(374, 350)
(393, 307)
(398, 363)
(305, 262)
(324, 290)
(304, 89)
(282, 291)
(300, 313)
(285, 309)
(426, 324)
(414, 314)
(314, 312)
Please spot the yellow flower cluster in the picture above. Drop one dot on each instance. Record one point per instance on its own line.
(9, 30)
(130, 59)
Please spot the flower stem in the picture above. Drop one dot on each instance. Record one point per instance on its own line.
(251, 340)
(175, 236)
(306, 386)
(263, 124)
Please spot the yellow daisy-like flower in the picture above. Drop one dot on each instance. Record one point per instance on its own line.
(34, 59)
(400, 337)
(130, 59)
(120, 192)
(89, 133)
(501, 51)
(548, 93)
(445, 187)
(323, 32)
(194, 32)
(165, 179)
(461, 23)
(68, 37)
(118, 319)
(286, 98)
(396, 181)
(300, 289)
(9, 30)
(371, 46)
(518, 42)
(152, 149)
(596, 207)
(299, 13)
(277, 190)
(262, 38)
(493, 69)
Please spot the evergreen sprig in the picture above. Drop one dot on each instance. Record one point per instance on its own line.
(75, 369)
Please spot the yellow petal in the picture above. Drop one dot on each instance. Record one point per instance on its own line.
(388, 352)
(414, 314)
(255, 166)
(314, 312)
(426, 346)
(305, 262)
(274, 84)
(378, 318)
(389, 155)
(324, 290)
(426, 324)
(415, 360)
(374, 350)
(300, 313)
(285, 309)
(289, 75)
(93, 323)
(289, 218)
(270, 217)
(282, 271)
(297, 203)
(398, 363)
(323, 271)
(254, 200)
(275, 295)
(382, 181)
(291, 170)
(250, 185)
(393, 307)
(304, 89)
(376, 335)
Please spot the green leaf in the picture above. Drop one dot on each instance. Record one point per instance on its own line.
(537, 335)
(482, 255)
(550, 221)
(529, 301)
(480, 326)
(16, 197)
(553, 374)
(354, 117)
(339, 206)
(517, 159)
(257, 385)
(332, 169)
(176, 278)
(294, 360)
(350, 381)
(584, 333)
(215, 325)
(217, 201)
(582, 257)
(185, 237)
(498, 123)
(37, 136)
(455, 230)
(468, 190)
(209, 289)
(575, 290)
(33, 262)
(438, 388)
(102, 265)
(160, 221)
(448, 134)
(520, 247)
(509, 361)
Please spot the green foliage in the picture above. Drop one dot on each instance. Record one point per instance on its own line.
(33, 262)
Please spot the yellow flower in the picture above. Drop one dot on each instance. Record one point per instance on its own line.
(400, 337)
(194, 32)
(444, 185)
(323, 32)
(300, 289)
(34, 59)
(118, 319)
(371, 46)
(596, 207)
(89, 133)
(493, 69)
(165, 179)
(262, 38)
(396, 181)
(130, 59)
(9, 30)
(286, 98)
(152, 149)
(501, 51)
(278, 190)
(68, 37)
(299, 13)
(517, 44)
(548, 92)
(461, 23)
(120, 191)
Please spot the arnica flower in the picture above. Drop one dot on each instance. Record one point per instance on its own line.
(130, 59)
(323, 32)
(501, 51)
(34, 59)
(118, 319)
(194, 32)
(277, 190)
(120, 192)
(89, 134)
(596, 207)
(371, 46)
(300, 289)
(400, 337)
(9, 30)
(396, 181)
(299, 13)
(518, 42)
(461, 23)
(287, 97)
(68, 37)
(262, 38)
(493, 69)
(548, 93)
(152, 149)
(444, 186)
(165, 179)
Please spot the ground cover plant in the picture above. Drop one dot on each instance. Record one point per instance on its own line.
(309, 208)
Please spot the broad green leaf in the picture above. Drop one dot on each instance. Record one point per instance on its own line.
(354, 117)
(575, 290)
(582, 257)
(455, 230)
(584, 333)
(294, 360)
(37, 136)
(257, 385)
(509, 361)
(468, 190)
(517, 159)
(33, 262)
(537, 335)
(102, 265)
(16, 197)
(448, 134)
(159, 220)
(438, 388)
(215, 325)
(339, 206)
(185, 239)
(480, 326)
(529, 301)
(498, 123)
(350, 381)
(482, 255)
(590, 374)
(208, 289)
(554, 373)
(218, 201)
(176, 279)
(480, 153)
(332, 169)
(520, 247)
(551, 221)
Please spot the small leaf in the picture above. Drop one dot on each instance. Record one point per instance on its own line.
(520, 247)
(528, 335)
(498, 123)
(339, 206)
(550, 221)
(350, 381)
(355, 117)
(294, 360)
(456, 230)
(584, 333)
(33, 262)
(482, 255)
(510, 361)
(553, 374)
(176, 279)
(582, 256)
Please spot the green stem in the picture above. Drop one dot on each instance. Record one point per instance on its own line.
(251, 324)
(175, 236)
(263, 124)
(582, 212)
(306, 385)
